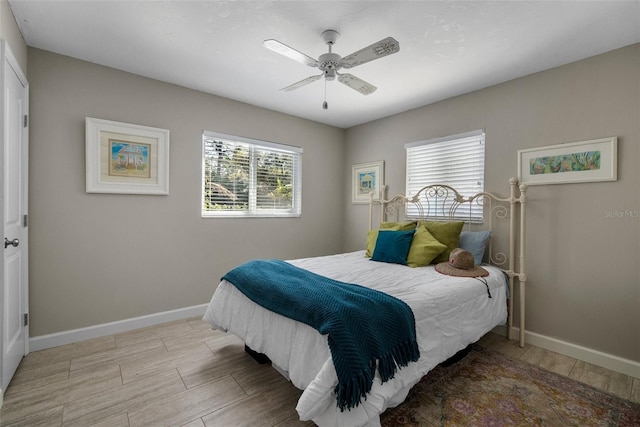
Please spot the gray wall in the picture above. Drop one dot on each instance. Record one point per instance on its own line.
(583, 267)
(97, 258)
(9, 31)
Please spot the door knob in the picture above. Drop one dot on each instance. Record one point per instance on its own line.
(14, 242)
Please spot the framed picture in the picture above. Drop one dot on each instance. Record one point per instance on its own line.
(585, 161)
(126, 158)
(367, 177)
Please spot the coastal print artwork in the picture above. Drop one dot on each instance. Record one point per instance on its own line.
(126, 158)
(129, 159)
(366, 182)
(575, 162)
(367, 178)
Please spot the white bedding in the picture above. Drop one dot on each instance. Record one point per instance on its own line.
(450, 314)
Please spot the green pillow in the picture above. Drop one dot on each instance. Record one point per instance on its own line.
(372, 235)
(402, 225)
(424, 248)
(392, 246)
(447, 233)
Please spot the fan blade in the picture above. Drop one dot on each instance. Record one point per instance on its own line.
(302, 83)
(289, 52)
(356, 83)
(377, 50)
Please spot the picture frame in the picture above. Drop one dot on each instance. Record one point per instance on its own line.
(126, 158)
(583, 161)
(367, 177)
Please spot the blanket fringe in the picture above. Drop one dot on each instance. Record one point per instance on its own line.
(398, 357)
(351, 391)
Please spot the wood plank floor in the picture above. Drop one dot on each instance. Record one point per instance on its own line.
(183, 373)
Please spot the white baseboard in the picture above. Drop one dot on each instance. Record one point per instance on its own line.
(608, 361)
(67, 337)
(614, 363)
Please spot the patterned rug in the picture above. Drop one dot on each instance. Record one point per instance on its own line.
(489, 389)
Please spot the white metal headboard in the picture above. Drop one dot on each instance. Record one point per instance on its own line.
(444, 203)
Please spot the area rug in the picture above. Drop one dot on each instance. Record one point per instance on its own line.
(489, 389)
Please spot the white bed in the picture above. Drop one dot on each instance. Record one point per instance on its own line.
(450, 313)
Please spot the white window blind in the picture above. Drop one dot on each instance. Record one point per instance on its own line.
(245, 177)
(456, 160)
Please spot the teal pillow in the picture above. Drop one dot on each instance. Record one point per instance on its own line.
(372, 235)
(392, 246)
(475, 242)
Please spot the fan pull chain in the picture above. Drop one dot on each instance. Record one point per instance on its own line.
(324, 104)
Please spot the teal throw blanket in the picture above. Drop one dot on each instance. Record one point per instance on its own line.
(367, 329)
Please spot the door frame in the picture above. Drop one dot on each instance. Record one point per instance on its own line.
(8, 57)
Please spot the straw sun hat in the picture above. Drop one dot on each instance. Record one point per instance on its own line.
(461, 264)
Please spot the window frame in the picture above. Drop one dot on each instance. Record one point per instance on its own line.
(253, 211)
(475, 213)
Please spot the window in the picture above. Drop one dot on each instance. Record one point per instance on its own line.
(456, 160)
(242, 177)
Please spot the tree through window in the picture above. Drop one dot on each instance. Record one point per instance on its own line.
(243, 177)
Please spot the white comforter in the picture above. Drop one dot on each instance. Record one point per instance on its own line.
(450, 314)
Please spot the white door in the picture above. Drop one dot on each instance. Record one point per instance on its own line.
(14, 174)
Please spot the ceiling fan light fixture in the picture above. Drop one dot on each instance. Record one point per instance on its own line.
(330, 74)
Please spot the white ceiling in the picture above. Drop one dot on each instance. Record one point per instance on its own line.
(447, 48)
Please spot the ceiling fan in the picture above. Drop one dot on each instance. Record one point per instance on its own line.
(329, 63)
